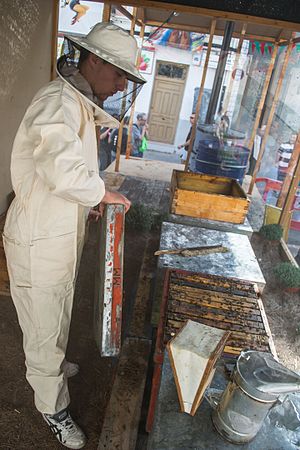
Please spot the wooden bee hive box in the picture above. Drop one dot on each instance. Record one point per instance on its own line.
(208, 197)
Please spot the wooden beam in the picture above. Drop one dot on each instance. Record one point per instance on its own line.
(201, 90)
(212, 13)
(120, 132)
(270, 118)
(284, 218)
(55, 15)
(259, 113)
(128, 15)
(295, 41)
(106, 12)
(122, 415)
(197, 29)
(289, 176)
(235, 65)
(128, 147)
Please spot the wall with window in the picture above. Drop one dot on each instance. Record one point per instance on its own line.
(25, 48)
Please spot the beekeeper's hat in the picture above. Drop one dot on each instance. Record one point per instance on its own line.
(114, 45)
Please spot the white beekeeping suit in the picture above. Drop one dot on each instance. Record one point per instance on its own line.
(56, 180)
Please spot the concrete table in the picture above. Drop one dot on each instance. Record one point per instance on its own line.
(174, 430)
(240, 262)
(240, 228)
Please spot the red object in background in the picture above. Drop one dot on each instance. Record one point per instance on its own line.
(275, 185)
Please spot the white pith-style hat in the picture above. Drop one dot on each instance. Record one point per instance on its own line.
(114, 45)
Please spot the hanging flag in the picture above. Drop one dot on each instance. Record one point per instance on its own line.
(262, 47)
(253, 46)
(257, 46)
(298, 47)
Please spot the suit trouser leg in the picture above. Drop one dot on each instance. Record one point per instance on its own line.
(44, 316)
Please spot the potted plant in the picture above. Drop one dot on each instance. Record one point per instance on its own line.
(288, 276)
(272, 232)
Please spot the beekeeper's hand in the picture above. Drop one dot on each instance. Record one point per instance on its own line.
(109, 198)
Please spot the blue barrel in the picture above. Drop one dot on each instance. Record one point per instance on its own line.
(226, 161)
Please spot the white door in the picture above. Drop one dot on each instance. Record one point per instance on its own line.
(166, 100)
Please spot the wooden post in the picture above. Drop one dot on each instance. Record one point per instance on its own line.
(193, 133)
(235, 65)
(55, 14)
(284, 218)
(289, 176)
(106, 13)
(258, 117)
(128, 148)
(120, 132)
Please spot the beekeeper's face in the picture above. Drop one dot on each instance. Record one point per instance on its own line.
(105, 79)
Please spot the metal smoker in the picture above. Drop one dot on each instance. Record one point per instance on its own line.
(257, 382)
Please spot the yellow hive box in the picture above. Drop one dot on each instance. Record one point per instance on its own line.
(208, 197)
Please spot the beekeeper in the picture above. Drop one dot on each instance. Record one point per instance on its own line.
(56, 181)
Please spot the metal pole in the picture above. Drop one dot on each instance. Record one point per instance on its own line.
(213, 101)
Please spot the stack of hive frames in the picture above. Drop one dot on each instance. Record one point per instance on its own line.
(226, 303)
(219, 302)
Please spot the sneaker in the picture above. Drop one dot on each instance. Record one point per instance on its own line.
(70, 369)
(66, 431)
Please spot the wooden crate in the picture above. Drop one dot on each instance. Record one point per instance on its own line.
(208, 197)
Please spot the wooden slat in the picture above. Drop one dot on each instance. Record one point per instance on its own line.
(215, 308)
(221, 297)
(122, 415)
(218, 320)
(216, 283)
(235, 336)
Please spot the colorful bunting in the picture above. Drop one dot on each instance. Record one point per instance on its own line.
(261, 47)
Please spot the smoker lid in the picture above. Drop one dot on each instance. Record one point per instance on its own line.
(262, 377)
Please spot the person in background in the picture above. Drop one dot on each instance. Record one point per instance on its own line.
(284, 156)
(139, 130)
(104, 148)
(186, 144)
(113, 139)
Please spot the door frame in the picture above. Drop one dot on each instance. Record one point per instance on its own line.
(157, 62)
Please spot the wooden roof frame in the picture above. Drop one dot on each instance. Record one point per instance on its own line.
(279, 25)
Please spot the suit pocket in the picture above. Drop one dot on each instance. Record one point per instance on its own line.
(53, 260)
(18, 262)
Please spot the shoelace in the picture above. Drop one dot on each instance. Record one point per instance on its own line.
(69, 425)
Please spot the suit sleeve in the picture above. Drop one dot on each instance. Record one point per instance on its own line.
(58, 155)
